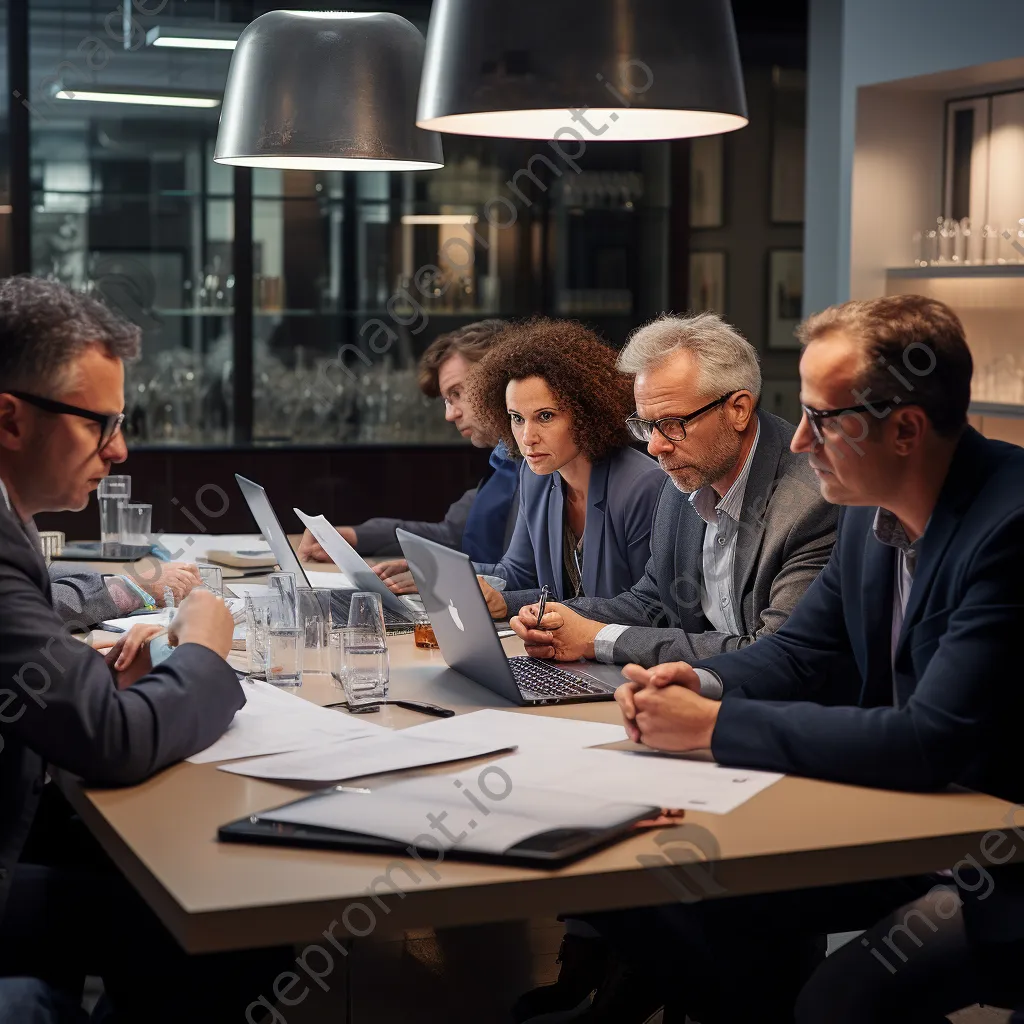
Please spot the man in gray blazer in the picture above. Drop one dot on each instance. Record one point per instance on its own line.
(63, 910)
(740, 530)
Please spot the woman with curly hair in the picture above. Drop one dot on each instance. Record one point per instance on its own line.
(550, 389)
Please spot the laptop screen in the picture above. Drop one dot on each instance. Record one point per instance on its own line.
(270, 526)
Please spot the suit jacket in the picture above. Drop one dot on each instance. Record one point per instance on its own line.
(821, 697)
(59, 704)
(377, 536)
(621, 496)
(786, 533)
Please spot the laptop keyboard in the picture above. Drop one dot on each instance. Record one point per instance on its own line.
(543, 679)
(393, 623)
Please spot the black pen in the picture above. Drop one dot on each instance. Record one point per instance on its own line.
(543, 604)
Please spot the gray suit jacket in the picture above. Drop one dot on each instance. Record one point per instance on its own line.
(786, 534)
(59, 704)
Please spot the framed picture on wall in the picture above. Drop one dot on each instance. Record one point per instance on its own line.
(789, 131)
(785, 297)
(707, 282)
(707, 182)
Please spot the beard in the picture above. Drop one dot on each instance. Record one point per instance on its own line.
(692, 471)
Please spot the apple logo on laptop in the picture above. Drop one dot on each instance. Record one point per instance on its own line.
(454, 613)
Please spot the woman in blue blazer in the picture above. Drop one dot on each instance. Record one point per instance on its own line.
(551, 389)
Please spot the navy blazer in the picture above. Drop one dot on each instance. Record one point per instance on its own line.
(816, 698)
(621, 498)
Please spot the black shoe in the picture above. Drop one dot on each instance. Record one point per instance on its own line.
(624, 997)
(584, 965)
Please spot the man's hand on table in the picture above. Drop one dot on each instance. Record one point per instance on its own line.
(663, 709)
(310, 550)
(396, 576)
(564, 635)
(494, 598)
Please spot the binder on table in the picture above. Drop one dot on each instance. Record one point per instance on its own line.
(484, 818)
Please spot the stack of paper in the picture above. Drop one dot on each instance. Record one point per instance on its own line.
(274, 722)
(389, 751)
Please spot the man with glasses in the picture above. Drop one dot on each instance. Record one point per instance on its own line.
(739, 533)
(64, 910)
(740, 530)
(897, 670)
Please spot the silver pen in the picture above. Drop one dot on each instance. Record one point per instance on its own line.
(543, 604)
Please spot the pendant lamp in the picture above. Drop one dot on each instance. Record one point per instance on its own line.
(601, 70)
(326, 91)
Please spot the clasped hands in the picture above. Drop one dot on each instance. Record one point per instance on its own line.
(661, 706)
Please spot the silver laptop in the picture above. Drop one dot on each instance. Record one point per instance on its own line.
(465, 633)
(397, 616)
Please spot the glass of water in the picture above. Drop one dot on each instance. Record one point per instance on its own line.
(315, 618)
(212, 577)
(359, 665)
(137, 524)
(284, 631)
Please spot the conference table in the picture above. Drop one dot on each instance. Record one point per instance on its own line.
(217, 896)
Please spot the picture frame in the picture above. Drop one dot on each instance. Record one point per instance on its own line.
(785, 297)
(788, 135)
(707, 182)
(708, 281)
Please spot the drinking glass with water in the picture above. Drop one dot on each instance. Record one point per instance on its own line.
(359, 665)
(113, 495)
(284, 631)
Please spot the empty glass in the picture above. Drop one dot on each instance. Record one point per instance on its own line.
(282, 591)
(315, 616)
(137, 524)
(256, 610)
(359, 665)
(213, 578)
(366, 612)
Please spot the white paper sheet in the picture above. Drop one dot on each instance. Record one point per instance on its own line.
(364, 755)
(275, 722)
(525, 731)
(330, 580)
(641, 777)
(414, 811)
(243, 590)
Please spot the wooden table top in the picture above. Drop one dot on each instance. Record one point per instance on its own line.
(215, 896)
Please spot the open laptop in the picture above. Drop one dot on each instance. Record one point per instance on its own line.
(465, 633)
(397, 616)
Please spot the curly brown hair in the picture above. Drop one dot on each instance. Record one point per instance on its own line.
(578, 367)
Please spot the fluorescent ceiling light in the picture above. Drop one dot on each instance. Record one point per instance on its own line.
(439, 218)
(195, 37)
(148, 99)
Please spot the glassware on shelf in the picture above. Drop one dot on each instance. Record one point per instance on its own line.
(1000, 381)
(990, 243)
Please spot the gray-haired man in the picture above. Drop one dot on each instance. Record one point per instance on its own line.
(741, 529)
(740, 532)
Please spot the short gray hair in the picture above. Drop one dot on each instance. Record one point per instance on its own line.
(45, 327)
(727, 361)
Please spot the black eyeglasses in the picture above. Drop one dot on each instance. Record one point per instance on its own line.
(671, 427)
(816, 417)
(110, 422)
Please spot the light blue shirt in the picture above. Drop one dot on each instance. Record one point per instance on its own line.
(721, 535)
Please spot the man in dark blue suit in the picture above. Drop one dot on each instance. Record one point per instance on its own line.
(894, 670)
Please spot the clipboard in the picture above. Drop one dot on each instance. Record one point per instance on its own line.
(553, 848)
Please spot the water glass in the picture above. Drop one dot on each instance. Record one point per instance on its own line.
(315, 616)
(284, 598)
(213, 578)
(137, 524)
(112, 508)
(359, 665)
(366, 613)
(256, 610)
(120, 484)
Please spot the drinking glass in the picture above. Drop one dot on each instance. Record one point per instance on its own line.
(315, 622)
(119, 483)
(366, 613)
(423, 632)
(256, 610)
(282, 591)
(284, 646)
(137, 524)
(213, 578)
(112, 508)
(359, 665)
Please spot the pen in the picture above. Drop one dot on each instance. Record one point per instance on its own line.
(543, 604)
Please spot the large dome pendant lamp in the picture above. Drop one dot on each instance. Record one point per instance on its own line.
(326, 91)
(607, 70)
